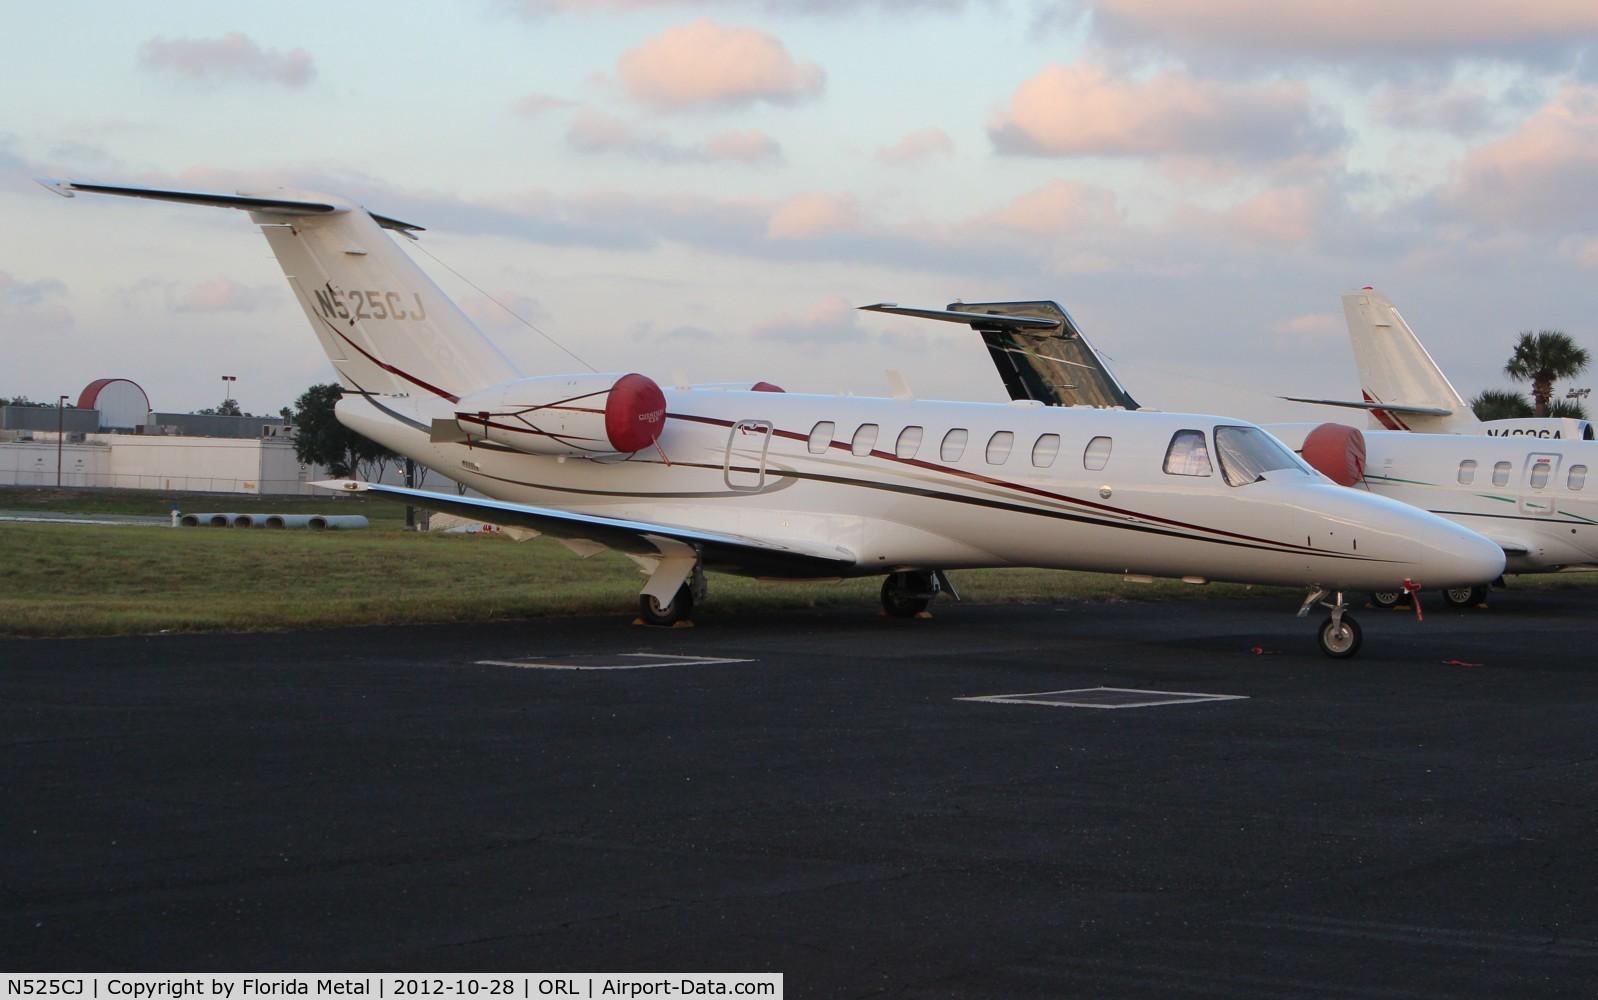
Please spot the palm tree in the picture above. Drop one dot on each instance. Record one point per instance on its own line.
(1500, 404)
(1541, 358)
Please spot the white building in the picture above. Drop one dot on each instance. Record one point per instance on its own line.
(81, 446)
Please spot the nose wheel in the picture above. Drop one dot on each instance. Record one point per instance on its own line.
(1340, 639)
(1340, 635)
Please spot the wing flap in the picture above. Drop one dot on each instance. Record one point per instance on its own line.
(719, 550)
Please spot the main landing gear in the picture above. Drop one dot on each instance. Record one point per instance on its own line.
(677, 612)
(1454, 597)
(679, 609)
(1340, 635)
(907, 593)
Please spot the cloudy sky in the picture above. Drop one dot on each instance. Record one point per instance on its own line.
(710, 188)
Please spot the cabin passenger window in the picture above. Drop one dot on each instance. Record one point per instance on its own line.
(1540, 471)
(1467, 472)
(909, 442)
(999, 446)
(1501, 474)
(865, 438)
(1045, 450)
(820, 437)
(1097, 454)
(1577, 478)
(1188, 455)
(954, 444)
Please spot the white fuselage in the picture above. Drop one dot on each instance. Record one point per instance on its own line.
(1537, 498)
(1020, 492)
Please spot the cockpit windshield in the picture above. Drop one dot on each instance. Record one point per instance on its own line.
(1247, 453)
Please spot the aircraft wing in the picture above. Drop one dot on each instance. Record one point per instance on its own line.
(1430, 411)
(719, 550)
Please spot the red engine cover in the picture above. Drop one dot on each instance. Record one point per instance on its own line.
(635, 413)
(1337, 452)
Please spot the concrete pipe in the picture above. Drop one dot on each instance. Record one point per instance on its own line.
(336, 522)
(286, 521)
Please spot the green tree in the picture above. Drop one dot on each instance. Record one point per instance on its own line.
(1500, 404)
(1542, 358)
(1567, 408)
(226, 408)
(321, 440)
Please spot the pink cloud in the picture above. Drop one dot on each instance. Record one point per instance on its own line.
(1084, 110)
(742, 145)
(1343, 27)
(234, 56)
(224, 295)
(917, 147)
(509, 311)
(706, 64)
(1278, 217)
(813, 214)
(828, 321)
(1059, 208)
(1538, 177)
(595, 132)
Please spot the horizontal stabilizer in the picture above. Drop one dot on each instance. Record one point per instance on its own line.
(995, 321)
(250, 203)
(720, 551)
(1428, 411)
(1036, 348)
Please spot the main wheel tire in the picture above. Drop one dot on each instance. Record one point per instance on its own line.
(900, 596)
(1340, 641)
(1464, 597)
(1387, 598)
(679, 608)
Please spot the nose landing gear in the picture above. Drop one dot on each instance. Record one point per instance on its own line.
(1339, 635)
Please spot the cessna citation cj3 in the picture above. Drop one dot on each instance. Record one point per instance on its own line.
(771, 484)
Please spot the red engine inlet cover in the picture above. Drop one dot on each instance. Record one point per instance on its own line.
(635, 413)
(1337, 452)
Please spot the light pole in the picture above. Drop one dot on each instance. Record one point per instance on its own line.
(227, 388)
(60, 435)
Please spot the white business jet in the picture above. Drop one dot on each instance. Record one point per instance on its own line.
(771, 484)
(1522, 483)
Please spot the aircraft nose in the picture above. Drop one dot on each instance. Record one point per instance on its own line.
(1458, 557)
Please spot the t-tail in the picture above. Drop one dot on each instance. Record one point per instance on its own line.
(386, 327)
(1405, 390)
(1036, 348)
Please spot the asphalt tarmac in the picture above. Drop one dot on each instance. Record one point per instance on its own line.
(1419, 822)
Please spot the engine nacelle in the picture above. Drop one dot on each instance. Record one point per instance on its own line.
(1336, 451)
(567, 414)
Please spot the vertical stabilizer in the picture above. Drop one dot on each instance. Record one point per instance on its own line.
(1037, 349)
(386, 327)
(1395, 368)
